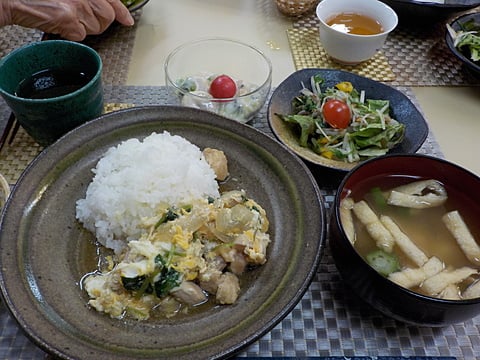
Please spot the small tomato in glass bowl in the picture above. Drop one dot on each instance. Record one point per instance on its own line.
(223, 87)
(224, 76)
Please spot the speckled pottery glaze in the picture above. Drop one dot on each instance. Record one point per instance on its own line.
(45, 120)
(44, 249)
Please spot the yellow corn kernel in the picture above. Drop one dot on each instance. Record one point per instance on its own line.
(327, 153)
(345, 86)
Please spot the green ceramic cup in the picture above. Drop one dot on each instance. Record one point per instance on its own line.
(52, 87)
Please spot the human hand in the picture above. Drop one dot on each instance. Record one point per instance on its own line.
(71, 19)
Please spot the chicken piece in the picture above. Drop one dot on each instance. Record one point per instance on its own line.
(418, 195)
(346, 217)
(409, 278)
(457, 227)
(435, 284)
(375, 228)
(217, 263)
(209, 282)
(238, 263)
(228, 289)
(234, 257)
(210, 278)
(403, 242)
(189, 293)
(217, 161)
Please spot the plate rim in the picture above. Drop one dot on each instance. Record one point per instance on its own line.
(447, 7)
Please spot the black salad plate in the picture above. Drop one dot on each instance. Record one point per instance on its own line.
(463, 55)
(402, 109)
(421, 13)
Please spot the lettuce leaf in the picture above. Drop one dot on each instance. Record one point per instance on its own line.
(306, 124)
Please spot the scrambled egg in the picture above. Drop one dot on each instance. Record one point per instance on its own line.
(185, 255)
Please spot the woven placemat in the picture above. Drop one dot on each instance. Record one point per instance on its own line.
(308, 52)
(14, 36)
(418, 56)
(15, 157)
(115, 46)
(328, 321)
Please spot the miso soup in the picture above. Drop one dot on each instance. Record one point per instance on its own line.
(424, 227)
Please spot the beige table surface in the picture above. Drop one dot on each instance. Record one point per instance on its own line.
(453, 112)
(328, 321)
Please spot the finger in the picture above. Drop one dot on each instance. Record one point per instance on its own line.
(103, 15)
(122, 14)
(74, 32)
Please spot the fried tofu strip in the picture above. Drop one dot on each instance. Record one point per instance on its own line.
(473, 291)
(375, 228)
(403, 242)
(418, 195)
(409, 278)
(457, 227)
(451, 292)
(346, 217)
(435, 284)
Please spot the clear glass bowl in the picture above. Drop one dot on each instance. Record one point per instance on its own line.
(191, 67)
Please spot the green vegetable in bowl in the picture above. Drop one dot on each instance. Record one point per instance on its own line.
(128, 3)
(383, 262)
(467, 39)
(340, 123)
(160, 282)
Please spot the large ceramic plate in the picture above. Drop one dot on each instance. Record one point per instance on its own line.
(463, 56)
(425, 12)
(44, 251)
(402, 109)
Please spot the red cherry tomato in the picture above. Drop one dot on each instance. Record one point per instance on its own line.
(337, 114)
(223, 87)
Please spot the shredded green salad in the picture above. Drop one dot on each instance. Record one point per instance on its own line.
(128, 3)
(467, 39)
(369, 132)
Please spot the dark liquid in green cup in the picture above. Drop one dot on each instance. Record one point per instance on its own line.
(51, 83)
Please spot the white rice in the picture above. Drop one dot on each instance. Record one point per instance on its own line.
(133, 178)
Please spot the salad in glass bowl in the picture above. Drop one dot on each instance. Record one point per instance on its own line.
(235, 85)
